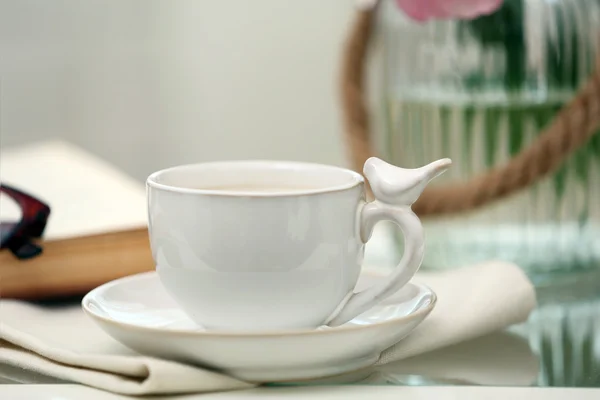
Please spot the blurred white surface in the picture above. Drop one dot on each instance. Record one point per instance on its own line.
(74, 392)
(148, 83)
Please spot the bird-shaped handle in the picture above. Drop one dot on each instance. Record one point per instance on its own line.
(395, 190)
(401, 186)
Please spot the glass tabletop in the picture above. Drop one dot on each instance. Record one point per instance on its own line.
(559, 346)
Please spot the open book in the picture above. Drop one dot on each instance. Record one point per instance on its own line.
(97, 230)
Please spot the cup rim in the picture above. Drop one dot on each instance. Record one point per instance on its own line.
(355, 179)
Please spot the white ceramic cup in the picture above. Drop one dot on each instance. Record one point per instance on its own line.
(269, 245)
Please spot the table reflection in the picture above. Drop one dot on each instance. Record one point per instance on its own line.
(564, 331)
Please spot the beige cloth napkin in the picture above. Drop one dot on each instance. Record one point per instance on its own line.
(64, 343)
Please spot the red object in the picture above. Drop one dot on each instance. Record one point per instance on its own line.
(423, 10)
(18, 236)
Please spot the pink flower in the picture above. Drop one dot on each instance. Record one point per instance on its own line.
(423, 10)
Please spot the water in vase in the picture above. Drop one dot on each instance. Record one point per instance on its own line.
(549, 227)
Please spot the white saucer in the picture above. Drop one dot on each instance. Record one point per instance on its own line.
(137, 312)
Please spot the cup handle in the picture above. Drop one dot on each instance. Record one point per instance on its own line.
(395, 190)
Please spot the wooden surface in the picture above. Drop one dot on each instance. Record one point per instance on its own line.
(75, 266)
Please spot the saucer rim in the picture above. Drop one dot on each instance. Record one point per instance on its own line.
(422, 312)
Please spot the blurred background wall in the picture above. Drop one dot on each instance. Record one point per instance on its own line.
(148, 83)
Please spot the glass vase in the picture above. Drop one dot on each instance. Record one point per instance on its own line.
(479, 92)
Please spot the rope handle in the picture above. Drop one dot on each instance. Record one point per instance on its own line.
(571, 128)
